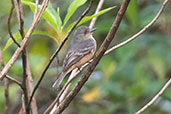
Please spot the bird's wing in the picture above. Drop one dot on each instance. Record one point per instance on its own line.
(73, 57)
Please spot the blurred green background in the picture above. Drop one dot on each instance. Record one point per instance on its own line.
(124, 80)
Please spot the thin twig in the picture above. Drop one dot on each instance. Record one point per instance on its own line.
(31, 87)
(141, 31)
(6, 86)
(9, 23)
(23, 108)
(24, 41)
(36, 8)
(93, 21)
(62, 93)
(96, 60)
(58, 49)
(20, 17)
(155, 98)
(7, 76)
(19, 11)
(7, 100)
(14, 80)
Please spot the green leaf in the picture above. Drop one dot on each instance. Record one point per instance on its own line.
(17, 37)
(49, 15)
(87, 18)
(131, 12)
(55, 15)
(72, 8)
(58, 20)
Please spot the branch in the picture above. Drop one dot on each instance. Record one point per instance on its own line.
(7, 76)
(36, 7)
(24, 41)
(23, 108)
(155, 98)
(9, 23)
(93, 21)
(58, 49)
(19, 11)
(97, 58)
(7, 100)
(62, 94)
(141, 31)
(14, 80)
(31, 87)
(6, 86)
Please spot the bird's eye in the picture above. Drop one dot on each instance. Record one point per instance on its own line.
(85, 32)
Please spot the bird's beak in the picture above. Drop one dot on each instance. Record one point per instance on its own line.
(92, 30)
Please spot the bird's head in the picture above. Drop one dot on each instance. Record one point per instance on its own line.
(83, 33)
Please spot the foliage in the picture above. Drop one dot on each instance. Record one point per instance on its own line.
(53, 18)
(123, 81)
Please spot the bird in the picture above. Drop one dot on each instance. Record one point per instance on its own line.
(81, 51)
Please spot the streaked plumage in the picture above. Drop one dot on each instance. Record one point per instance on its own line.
(81, 51)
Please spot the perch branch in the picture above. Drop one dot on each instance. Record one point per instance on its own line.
(61, 94)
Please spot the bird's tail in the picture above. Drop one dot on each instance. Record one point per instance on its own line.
(59, 81)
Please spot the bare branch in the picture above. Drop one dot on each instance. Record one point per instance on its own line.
(6, 86)
(9, 23)
(14, 80)
(7, 100)
(58, 49)
(36, 8)
(141, 31)
(7, 76)
(19, 11)
(31, 87)
(99, 55)
(93, 21)
(24, 41)
(1, 60)
(155, 98)
(62, 94)
(23, 108)
(20, 17)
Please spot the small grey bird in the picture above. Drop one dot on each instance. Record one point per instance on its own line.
(82, 50)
